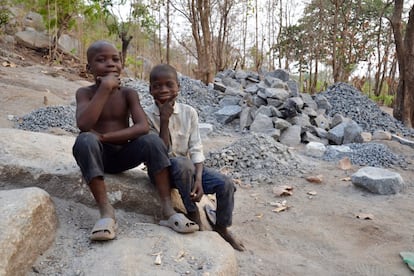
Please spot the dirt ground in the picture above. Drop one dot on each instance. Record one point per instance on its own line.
(318, 234)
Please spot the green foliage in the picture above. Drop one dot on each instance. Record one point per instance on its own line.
(130, 61)
(4, 13)
(60, 14)
(387, 100)
(141, 13)
(384, 98)
(349, 33)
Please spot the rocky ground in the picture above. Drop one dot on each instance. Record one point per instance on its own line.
(320, 230)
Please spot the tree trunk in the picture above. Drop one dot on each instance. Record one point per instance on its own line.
(408, 107)
(399, 47)
(125, 43)
(403, 108)
(334, 34)
(200, 25)
(168, 33)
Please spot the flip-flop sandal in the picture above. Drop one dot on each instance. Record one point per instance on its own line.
(210, 211)
(104, 230)
(180, 223)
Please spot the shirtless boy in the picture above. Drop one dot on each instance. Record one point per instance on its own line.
(109, 144)
(177, 126)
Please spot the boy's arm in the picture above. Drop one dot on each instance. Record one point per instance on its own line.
(88, 109)
(195, 145)
(140, 126)
(166, 110)
(197, 191)
(195, 149)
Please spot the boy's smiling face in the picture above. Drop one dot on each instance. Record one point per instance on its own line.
(104, 60)
(164, 87)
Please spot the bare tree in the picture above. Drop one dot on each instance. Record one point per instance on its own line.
(404, 45)
(198, 14)
(221, 45)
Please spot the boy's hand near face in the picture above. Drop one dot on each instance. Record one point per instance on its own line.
(167, 108)
(110, 81)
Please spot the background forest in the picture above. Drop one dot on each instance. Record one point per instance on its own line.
(367, 43)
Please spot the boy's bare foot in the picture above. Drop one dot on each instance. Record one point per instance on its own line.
(226, 235)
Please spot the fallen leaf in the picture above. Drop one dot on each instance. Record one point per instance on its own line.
(346, 178)
(259, 215)
(180, 256)
(8, 64)
(365, 216)
(283, 190)
(280, 209)
(312, 193)
(315, 178)
(345, 164)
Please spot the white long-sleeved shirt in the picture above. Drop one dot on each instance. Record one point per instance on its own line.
(184, 131)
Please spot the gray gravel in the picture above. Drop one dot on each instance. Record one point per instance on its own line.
(348, 101)
(257, 158)
(42, 119)
(367, 154)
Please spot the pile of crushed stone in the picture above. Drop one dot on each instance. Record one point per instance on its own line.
(44, 118)
(257, 158)
(348, 101)
(367, 154)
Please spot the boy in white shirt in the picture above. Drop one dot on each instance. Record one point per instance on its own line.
(177, 125)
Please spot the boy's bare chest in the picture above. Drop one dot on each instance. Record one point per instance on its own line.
(115, 107)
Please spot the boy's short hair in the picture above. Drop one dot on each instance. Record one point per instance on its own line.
(96, 46)
(163, 69)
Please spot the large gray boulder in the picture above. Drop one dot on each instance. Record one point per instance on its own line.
(336, 134)
(261, 123)
(46, 161)
(27, 228)
(291, 136)
(34, 20)
(378, 180)
(352, 133)
(228, 113)
(33, 39)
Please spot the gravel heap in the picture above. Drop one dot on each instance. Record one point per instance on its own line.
(42, 119)
(256, 158)
(192, 92)
(368, 154)
(348, 101)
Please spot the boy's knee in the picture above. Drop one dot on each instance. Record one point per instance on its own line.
(182, 165)
(229, 186)
(153, 141)
(85, 140)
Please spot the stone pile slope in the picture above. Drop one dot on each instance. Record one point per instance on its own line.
(348, 101)
(366, 154)
(257, 159)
